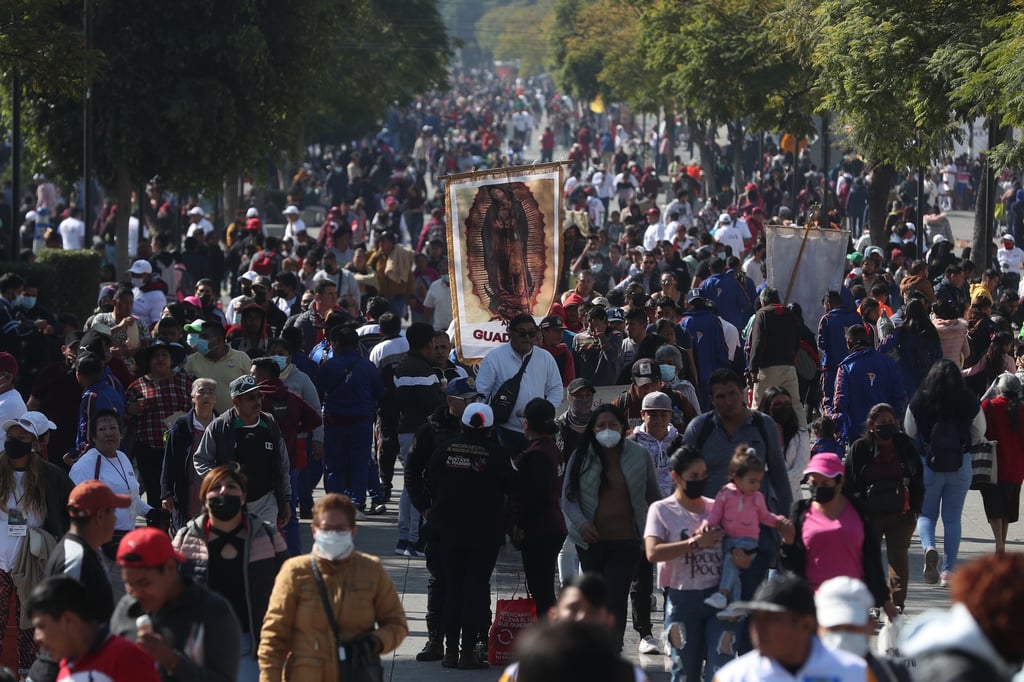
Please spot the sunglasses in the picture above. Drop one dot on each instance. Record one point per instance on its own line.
(526, 334)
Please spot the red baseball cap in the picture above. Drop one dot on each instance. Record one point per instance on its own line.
(89, 497)
(147, 548)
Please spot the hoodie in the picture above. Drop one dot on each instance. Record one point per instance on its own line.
(949, 645)
(294, 416)
(660, 451)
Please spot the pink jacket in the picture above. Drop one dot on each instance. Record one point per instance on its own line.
(740, 515)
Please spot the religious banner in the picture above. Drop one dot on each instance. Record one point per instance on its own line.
(504, 250)
(805, 264)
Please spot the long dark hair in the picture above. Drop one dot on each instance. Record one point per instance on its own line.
(589, 449)
(943, 392)
(916, 320)
(792, 425)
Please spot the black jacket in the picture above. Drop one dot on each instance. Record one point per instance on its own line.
(865, 449)
(794, 557)
(441, 427)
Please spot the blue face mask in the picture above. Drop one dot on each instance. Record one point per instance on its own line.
(192, 339)
(28, 302)
(668, 372)
(203, 346)
(281, 361)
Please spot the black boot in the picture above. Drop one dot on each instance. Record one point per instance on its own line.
(469, 659)
(451, 658)
(433, 650)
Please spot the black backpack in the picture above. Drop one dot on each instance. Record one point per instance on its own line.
(943, 445)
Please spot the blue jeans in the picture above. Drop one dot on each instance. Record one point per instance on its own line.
(616, 560)
(248, 667)
(309, 477)
(408, 515)
(292, 538)
(730, 581)
(702, 634)
(347, 451)
(947, 490)
(751, 579)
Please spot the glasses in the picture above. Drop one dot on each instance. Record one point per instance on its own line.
(526, 333)
(474, 399)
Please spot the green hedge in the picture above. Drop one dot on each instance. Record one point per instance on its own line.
(68, 281)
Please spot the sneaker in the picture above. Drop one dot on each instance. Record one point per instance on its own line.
(717, 601)
(649, 645)
(415, 550)
(730, 614)
(402, 549)
(931, 566)
(376, 509)
(360, 516)
(470, 660)
(945, 578)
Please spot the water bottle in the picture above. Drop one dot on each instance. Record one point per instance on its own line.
(143, 625)
(885, 326)
(42, 225)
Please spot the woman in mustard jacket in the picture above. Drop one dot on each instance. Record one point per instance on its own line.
(297, 643)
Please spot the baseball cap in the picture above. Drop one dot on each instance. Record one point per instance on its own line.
(253, 212)
(938, 239)
(242, 385)
(724, 219)
(694, 294)
(199, 325)
(828, 464)
(464, 388)
(147, 548)
(656, 401)
(249, 276)
(551, 322)
(478, 416)
(88, 497)
(1006, 237)
(291, 209)
(785, 592)
(645, 372)
(615, 314)
(895, 253)
(141, 267)
(578, 384)
(652, 211)
(573, 299)
(35, 423)
(843, 601)
(601, 301)
(856, 257)
(196, 210)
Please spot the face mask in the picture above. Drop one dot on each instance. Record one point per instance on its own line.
(18, 301)
(333, 544)
(260, 297)
(203, 346)
(206, 300)
(855, 643)
(823, 495)
(721, 255)
(106, 307)
(608, 438)
(225, 507)
(28, 302)
(668, 372)
(887, 431)
(781, 415)
(281, 361)
(580, 407)
(596, 268)
(138, 281)
(16, 449)
(695, 489)
(192, 339)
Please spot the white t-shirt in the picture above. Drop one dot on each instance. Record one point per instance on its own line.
(668, 521)
(119, 476)
(823, 664)
(732, 236)
(72, 233)
(439, 297)
(1010, 260)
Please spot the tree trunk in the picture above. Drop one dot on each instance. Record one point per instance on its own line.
(878, 198)
(984, 207)
(699, 132)
(736, 142)
(232, 197)
(123, 195)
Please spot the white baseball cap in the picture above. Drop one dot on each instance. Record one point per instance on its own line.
(290, 210)
(843, 601)
(485, 419)
(141, 267)
(725, 219)
(253, 212)
(197, 210)
(938, 239)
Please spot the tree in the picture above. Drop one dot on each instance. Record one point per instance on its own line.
(518, 33)
(37, 44)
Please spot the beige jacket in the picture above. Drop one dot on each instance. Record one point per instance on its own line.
(296, 643)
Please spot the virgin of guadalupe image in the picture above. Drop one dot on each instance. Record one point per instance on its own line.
(505, 249)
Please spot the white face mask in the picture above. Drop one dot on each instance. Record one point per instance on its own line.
(334, 544)
(855, 643)
(138, 281)
(608, 438)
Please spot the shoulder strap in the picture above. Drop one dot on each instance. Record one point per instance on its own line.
(522, 367)
(96, 471)
(706, 428)
(323, 598)
(759, 423)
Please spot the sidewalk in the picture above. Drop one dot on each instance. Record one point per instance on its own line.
(378, 536)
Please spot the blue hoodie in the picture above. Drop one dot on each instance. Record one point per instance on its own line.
(864, 379)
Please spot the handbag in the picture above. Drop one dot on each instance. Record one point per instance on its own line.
(349, 670)
(984, 465)
(887, 497)
(505, 397)
(511, 617)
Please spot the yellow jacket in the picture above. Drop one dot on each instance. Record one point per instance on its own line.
(296, 643)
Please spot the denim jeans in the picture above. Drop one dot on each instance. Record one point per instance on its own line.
(616, 560)
(309, 478)
(292, 537)
(730, 574)
(248, 666)
(706, 640)
(408, 515)
(944, 494)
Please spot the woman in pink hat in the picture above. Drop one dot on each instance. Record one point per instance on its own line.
(831, 534)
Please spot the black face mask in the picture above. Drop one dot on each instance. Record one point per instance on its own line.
(887, 431)
(781, 415)
(695, 489)
(225, 507)
(206, 300)
(16, 449)
(260, 297)
(823, 495)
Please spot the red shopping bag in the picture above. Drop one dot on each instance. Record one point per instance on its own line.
(511, 616)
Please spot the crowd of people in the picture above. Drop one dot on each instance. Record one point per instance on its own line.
(223, 377)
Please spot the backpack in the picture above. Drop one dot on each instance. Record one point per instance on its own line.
(807, 362)
(709, 426)
(944, 446)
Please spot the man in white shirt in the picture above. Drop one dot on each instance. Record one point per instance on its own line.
(783, 625)
(1009, 255)
(655, 229)
(540, 379)
(295, 223)
(729, 234)
(150, 293)
(605, 184)
(752, 266)
(72, 230)
(595, 210)
(200, 226)
(437, 304)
